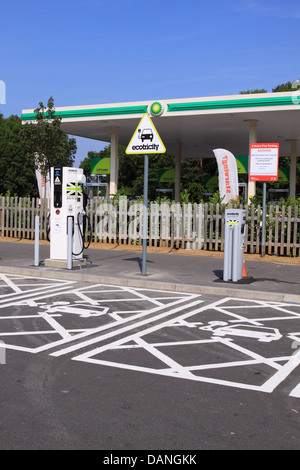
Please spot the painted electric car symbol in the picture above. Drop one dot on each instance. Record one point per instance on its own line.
(261, 333)
(82, 311)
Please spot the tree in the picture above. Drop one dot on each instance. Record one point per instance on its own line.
(249, 92)
(47, 141)
(86, 163)
(17, 173)
(288, 86)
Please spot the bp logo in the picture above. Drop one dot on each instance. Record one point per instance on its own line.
(156, 108)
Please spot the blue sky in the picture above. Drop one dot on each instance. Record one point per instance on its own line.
(85, 52)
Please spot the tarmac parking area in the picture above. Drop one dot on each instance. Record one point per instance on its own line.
(149, 347)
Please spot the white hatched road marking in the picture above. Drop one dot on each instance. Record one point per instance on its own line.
(246, 335)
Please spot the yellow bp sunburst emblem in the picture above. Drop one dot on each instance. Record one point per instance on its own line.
(156, 108)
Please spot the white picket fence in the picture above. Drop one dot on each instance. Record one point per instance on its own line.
(178, 225)
(168, 225)
(174, 225)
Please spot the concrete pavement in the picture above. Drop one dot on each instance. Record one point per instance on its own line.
(268, 278)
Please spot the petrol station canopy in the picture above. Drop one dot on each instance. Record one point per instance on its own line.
(193, 127)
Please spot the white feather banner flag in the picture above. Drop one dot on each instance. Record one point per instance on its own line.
(228, 175)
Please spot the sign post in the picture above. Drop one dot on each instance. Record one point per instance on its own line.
(263, 166)
(145, 215)
(145, 141)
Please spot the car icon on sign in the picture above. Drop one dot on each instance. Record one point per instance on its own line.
(147, 134)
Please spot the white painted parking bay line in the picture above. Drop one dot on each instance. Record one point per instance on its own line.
(134, 337)
(36, 294)
(173, 365)
(280, 376)
(121, 330)
(121, 321)
(55, 325)
(11, 284)
(144, 297)
(295, 392)
(84, 333)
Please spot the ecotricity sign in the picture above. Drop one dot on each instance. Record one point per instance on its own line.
(146, 139)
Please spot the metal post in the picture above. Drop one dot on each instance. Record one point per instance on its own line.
(263, 232)
(36, 240)
(251, 191)
(293, 169)
(145, 215)
(70, 242)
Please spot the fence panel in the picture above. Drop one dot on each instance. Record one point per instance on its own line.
(174, 225)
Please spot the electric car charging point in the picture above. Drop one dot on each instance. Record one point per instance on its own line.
(67, 203)
(234, 244)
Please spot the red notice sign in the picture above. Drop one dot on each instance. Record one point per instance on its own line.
(264, 160)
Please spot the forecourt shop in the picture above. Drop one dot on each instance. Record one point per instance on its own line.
(193, 127)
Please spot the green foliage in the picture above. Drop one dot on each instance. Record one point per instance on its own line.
(17, 172)
(249, 92)
(19, 144)
(195, 191)
(184, 196)
(284, 87)
(46, 140)
(279, 88)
